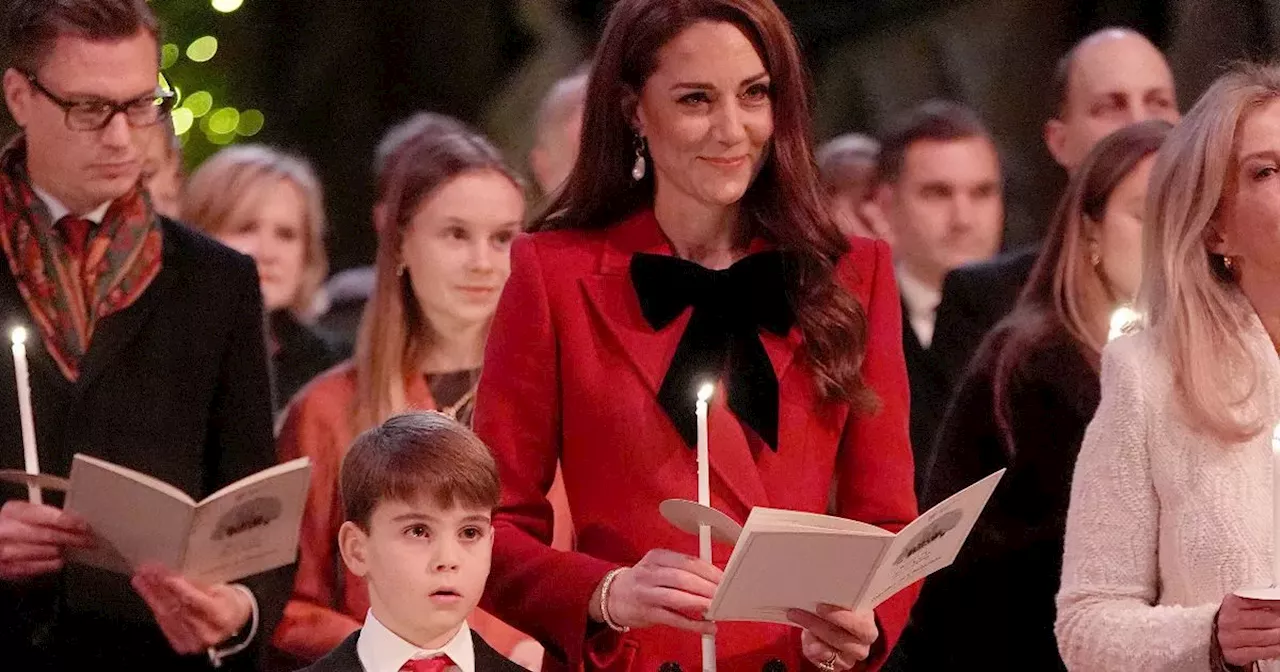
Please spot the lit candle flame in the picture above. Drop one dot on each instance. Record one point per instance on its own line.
(18, 335)
(1122, 319)
(705, 392)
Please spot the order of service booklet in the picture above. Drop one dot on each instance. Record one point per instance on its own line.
(794, 560)
(248, 527)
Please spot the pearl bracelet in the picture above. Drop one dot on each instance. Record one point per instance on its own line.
(604, 601)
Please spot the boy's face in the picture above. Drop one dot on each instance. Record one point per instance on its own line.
(426, 567)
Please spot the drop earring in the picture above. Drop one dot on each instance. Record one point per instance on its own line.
(639, 168)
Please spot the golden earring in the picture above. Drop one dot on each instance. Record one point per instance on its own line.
(1229, 263)
(400, 270)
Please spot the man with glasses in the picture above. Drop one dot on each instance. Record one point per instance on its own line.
(146, 350)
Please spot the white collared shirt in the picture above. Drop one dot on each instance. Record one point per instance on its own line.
(922, 302)
(381, 650)
(57, 210)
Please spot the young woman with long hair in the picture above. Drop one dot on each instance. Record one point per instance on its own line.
(1023, 405)
(447, 209)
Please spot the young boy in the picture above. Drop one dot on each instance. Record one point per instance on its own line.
(418, 494)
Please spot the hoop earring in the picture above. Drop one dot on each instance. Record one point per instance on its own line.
(639, 168)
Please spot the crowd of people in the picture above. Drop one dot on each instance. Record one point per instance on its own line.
(496, 407)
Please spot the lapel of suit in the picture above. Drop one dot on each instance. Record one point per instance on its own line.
(615, 302)
(613, 298)
(920, 360)
(488, 660)
(347, 657)
(112, 334)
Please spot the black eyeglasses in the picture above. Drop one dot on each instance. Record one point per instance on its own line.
(94, 115)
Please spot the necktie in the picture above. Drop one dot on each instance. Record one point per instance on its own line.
(722, 339)
(438, 663)
(75, 231)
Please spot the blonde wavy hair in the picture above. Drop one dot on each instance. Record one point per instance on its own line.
(1191, 300)
(218, 193)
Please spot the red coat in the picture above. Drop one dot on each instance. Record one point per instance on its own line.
(572, 372)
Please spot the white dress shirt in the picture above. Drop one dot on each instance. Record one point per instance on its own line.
(57, 210)
(381, 650)
(922, 302)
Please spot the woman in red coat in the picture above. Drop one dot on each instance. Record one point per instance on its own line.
(690, 243)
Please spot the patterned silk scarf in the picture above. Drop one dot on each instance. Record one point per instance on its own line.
(69, 293)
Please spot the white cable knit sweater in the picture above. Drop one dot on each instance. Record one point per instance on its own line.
(1164, 521)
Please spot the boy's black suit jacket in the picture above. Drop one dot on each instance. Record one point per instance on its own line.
(345, 659)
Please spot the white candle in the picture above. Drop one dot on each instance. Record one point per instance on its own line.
(704, 498)
(1275, 506)
(30, 458)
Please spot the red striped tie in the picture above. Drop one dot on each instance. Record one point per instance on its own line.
(75, 231)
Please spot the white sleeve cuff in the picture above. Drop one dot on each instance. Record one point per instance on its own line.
(217, 654)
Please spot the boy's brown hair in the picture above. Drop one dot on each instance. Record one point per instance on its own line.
(416, 454)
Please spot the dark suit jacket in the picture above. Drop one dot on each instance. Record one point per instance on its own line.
(994, 608)
(345, 659)
(299, 355)
(930, 390)
(974, 298)
(175, 386)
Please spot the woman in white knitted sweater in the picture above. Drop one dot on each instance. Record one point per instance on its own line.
(1171, 503)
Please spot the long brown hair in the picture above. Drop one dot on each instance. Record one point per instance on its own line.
(416, 158)
(784, 204)
(1066, 292)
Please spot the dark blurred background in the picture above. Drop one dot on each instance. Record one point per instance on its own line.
(326, 77)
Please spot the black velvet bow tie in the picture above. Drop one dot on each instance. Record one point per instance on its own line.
(722, 340)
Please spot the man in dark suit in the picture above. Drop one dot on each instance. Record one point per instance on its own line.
(939, 195)
(1110, 79)
(146, 350)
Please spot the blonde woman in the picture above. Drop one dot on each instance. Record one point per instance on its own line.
(268, 205)
(162, 169)
(1171, 503)
(447, 210)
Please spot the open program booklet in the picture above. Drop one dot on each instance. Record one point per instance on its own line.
(793, 560)
(248, 527)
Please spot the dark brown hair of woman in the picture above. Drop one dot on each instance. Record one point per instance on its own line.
(784, 205)
(1066, 293)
